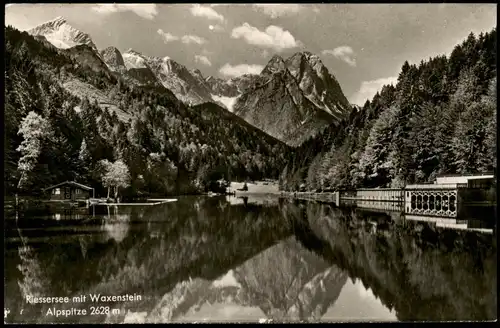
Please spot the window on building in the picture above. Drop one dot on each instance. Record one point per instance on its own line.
(57, 191)
(78, 191)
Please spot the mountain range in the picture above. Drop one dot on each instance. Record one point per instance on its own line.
(292, 99)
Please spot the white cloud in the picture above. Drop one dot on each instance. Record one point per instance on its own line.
(278, 10)
(343, 53)
(203, 60)
(273, 37)
(187, 39)
(148, 11)
(207, 12)
(229, 70)
(216, 28)
(368, 89)
(167, 37)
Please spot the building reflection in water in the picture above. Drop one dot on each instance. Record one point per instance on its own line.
(473, 218)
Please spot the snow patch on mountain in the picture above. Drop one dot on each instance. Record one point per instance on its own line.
(57, 39)
(133, 59)
(227, 101)
(227, 280)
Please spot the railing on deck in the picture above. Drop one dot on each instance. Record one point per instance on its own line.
(381, 195)
(423, 199)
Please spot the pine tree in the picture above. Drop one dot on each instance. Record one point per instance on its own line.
(84, 154)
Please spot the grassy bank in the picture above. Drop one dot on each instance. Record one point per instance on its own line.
(256, 187)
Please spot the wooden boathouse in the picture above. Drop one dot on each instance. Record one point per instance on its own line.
(69, 191)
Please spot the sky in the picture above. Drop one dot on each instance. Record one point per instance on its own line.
(362, 45)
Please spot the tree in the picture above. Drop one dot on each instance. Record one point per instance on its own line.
(428, 143)
(161, 173)
(116, 175)
(379, 157)
(34, 129)
(84, 154)
(469, 141)
(474, 138)
(312, 179)
(85, 158)
(491, 130)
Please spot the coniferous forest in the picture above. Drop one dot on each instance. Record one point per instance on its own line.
(439, 118)
(158, 147)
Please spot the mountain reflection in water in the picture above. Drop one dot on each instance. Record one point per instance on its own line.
(227, 259)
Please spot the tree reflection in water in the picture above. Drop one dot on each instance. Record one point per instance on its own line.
(286, 260)
(423, 272)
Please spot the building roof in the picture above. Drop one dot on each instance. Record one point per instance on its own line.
(485, 174)
(76, 184)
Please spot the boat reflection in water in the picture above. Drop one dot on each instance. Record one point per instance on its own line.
(251, 260)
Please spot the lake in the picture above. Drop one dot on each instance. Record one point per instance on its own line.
(228, 259)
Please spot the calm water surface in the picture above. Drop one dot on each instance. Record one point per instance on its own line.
(224, 259)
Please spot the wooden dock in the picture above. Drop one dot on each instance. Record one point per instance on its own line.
(150, 202)
(327, 197)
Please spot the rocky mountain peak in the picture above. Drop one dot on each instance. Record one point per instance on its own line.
(299, 92)
(310, 55)
(113, 58)
(301, 59)
(197, 73)
(58, 21)
(276, 64)
(134, 59)
(132, 52)
(62, 35)
(317, 84)
(189, 86)
(53, 23)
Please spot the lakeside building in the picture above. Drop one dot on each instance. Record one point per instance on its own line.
(69, 191)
